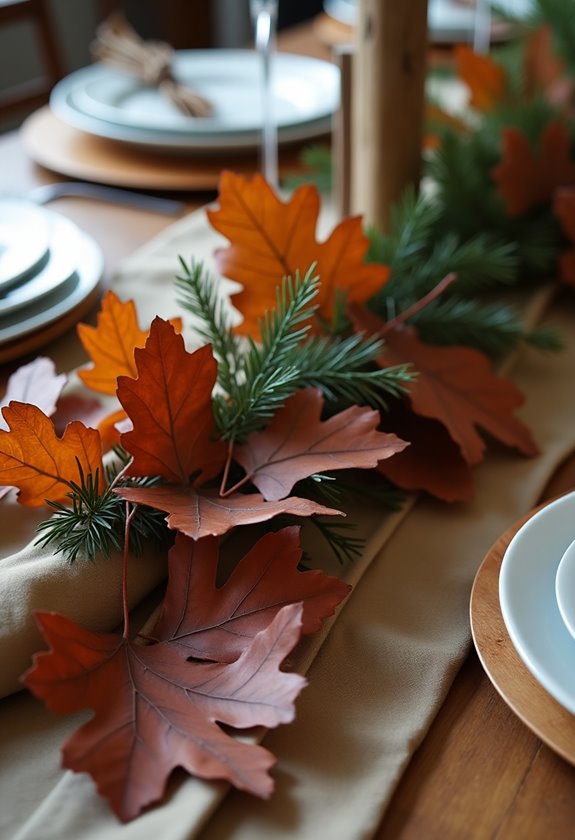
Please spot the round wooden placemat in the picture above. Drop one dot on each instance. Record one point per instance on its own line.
(514, 682)
(76, 154)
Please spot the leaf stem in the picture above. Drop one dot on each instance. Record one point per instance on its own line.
(419, 304)
(126, 556)
(227, 468)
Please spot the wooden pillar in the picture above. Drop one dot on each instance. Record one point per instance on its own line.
(388, 104)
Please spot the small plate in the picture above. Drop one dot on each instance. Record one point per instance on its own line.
(24, 239)
(60, 266)
(105, 102)
(565, 587)
(528, 603)
(66, 297)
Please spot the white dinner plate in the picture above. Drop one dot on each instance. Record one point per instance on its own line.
(565, 588)
(104, 101)
(58, 268)
(89, 265)
(448, 20)
(528, 603)
(24, 238)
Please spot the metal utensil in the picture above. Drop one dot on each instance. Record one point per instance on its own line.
(264, 15)
(114, 195)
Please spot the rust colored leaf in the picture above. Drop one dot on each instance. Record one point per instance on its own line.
(219, 621)
(564, 210)
(38, 462)
(526, 179)
(297, 444)
(482, 75)
(111, 344)
(170, 406)
(153, 711)
(432, 463)
(456, 386)
(271, 239)
(89, 410)
(544, 70)
(205, 513)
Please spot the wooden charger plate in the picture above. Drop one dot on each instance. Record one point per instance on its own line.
(76, 154)
(553, 724)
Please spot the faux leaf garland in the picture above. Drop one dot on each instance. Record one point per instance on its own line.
(335, 366)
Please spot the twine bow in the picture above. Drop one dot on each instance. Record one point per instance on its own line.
(119, 45)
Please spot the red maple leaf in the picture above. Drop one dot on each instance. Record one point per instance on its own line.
(456, 386)
(271, 239)
(170, 406)
(265, 580)
(203, 513)
(297, 443)
(525, 179)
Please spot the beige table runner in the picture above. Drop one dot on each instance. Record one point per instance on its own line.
(379, 677)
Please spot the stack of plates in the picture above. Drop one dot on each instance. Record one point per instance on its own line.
(105, 102)
(49, 269)
(537, 597)
(448, 20)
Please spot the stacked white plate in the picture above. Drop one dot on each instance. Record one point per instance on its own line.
(101, 100)
(48, 267)
(448, 20)
(537, 597)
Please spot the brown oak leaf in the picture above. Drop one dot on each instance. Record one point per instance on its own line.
(38, 462)
(271, 239)
(297, 443)
(170, 406)
(432, 463)
(456, 386)
(525, 179)
(202, 513)
(218, 622)
(153, 711)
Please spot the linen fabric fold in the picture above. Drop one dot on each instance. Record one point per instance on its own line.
(382, 671)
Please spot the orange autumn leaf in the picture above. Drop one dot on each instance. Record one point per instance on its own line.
(564, 210)
(544, 70)
(482, 75)
(456, 386)
(170, 406)
(270, 239)
(526, 179)
(38, 462)
(110, 345)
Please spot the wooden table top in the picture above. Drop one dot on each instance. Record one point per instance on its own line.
(480, 772)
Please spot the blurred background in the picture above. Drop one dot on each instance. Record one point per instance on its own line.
(186, 24)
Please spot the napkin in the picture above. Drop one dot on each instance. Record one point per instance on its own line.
(380, 673)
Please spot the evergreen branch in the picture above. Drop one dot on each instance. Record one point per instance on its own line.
(94, 524)
(337, 534)
(198, 295)
(491, 328)
(267, 376)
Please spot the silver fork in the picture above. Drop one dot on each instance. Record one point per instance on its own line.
(78, 189)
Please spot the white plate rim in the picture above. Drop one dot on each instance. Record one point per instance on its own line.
(565, 587)
(198, 134)
(59, 268)
(89, 270)
(528, 603)
(35, 249)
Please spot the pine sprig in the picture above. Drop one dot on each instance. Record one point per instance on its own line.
(94, 523)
